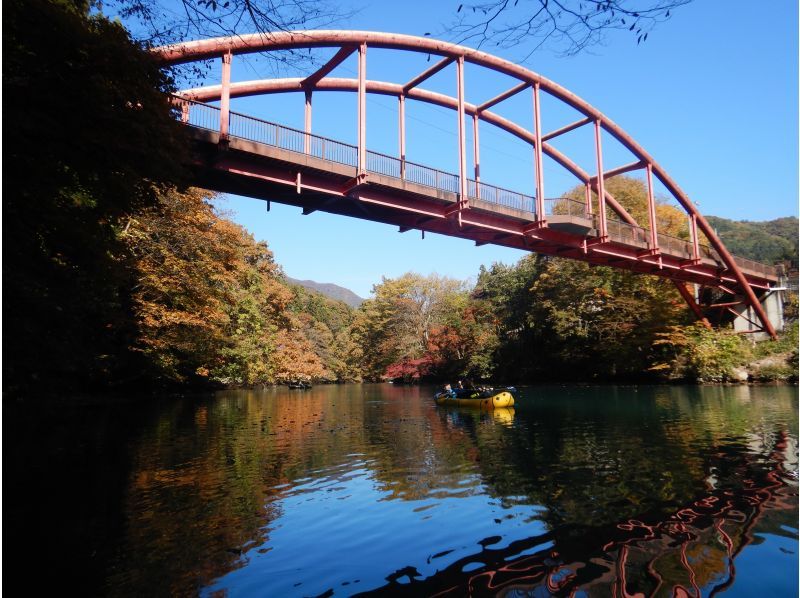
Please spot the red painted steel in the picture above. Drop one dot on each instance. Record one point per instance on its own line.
(428, 73)
(651, 210)
(291, 139)
(695, 240)
(463, 198)
(307, 122)
(476, 153)
(362, 108)
(599, 182)
(225, 99)
(692, 303)
(343, 54)
(537, 148)
(625, 168)
(627, 218)
(503, 96)
(566, 129)
(401, 117)
(202, 49)
(588, 197)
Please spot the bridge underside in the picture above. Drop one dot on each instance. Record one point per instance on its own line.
(269, 173)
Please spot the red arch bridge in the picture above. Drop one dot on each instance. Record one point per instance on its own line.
(240, 154)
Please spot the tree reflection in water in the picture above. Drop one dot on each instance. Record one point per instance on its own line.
(691, 552)
(591, 491)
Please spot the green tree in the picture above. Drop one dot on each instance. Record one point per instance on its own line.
(695, 352)
(769, 242)
(396, 324)
(559, 318)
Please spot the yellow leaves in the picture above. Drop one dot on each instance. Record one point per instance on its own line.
(672, 221)
(631, 193)
(295, 358)
(601, 292)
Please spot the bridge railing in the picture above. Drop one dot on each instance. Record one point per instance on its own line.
(411, 172)
(564, 206)
(207, 116)
(294, 140)
(672, 245)
(501, 196)
(197, 114)
(627, 233)
(756, 267)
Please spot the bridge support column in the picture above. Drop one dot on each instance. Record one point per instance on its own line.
(651, 209)
(362, 108)
(225, 98)
(307, 122)
(601, 194)
(588, 198)
(693, 233)
(537, 123)
(476, 152)
(462, 141)
(401, 117)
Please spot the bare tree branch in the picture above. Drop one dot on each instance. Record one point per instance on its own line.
(564, 26)
(163, 21)
(156, 22)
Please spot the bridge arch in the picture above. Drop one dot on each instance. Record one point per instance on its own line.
(729, 276)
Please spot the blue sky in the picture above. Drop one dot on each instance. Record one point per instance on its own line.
(712, 96)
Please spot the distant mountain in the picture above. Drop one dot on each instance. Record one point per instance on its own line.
(769, 242)
(329, 290)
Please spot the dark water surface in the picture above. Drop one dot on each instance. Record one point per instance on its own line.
(341, 490)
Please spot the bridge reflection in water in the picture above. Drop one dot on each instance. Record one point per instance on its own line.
(689, 552)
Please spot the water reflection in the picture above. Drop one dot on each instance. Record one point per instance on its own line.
(373, 489)
(691, 552)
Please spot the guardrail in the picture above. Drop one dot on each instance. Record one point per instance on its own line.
(565, 206)
(196, 114)
(501, 197)
(295, 140)
(756, 267)
(206, 116)
(630, 234)
(675, 246)
(411, 172)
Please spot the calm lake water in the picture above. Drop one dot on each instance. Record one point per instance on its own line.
(372, 489)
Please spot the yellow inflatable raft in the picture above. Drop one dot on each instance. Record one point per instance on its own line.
(494, 400)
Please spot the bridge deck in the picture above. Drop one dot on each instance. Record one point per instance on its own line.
(273, 162)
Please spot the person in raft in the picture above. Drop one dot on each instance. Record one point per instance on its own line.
(449, 390)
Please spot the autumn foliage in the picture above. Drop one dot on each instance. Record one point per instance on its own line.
(210, 301)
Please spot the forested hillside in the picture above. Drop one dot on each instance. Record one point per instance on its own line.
(334, 291)
(771, 242)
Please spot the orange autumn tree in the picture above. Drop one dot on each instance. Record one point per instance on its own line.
(209, 302)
